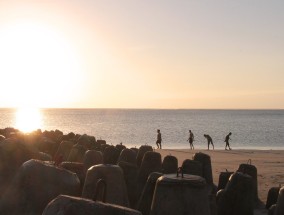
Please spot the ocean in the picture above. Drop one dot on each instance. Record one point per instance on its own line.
(251, 129)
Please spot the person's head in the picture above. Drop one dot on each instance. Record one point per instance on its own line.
(189, 131)
(230, 133)
(158, 130)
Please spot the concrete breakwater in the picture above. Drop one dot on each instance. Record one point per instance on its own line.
(54, 173)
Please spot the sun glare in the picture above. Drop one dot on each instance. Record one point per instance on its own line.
(39, 64)
(28, 119)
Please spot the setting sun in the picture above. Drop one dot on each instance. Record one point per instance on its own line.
(28, 119)
(40, 66)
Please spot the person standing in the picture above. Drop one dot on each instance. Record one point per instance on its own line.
(209, 140)
(227, 138)
(159, 139)
(191, 139)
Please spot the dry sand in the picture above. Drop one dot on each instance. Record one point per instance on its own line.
(269, 164)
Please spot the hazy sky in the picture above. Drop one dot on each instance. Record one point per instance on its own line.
(142, 54)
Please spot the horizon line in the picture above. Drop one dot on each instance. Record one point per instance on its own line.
(117, 108)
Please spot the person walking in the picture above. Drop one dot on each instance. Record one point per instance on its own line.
(209, 140)
(227, 138)
(191, 139)
(159, 139)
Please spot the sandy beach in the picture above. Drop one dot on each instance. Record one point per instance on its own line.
(269, 164)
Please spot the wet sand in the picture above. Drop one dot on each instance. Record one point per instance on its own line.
(269, 164)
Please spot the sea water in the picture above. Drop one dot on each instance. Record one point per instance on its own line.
(251, 129)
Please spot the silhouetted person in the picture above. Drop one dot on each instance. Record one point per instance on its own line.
(191, 139)
(159, 139)
(227, 138)
(209, 140)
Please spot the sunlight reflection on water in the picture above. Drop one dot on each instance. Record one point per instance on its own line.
(28, 119)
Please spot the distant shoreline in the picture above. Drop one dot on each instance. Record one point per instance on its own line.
(161, 109)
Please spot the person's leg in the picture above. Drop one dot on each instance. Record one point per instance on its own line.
(211, 142)
(157, 144)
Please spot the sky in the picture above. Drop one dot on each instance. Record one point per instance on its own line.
(186, 54)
